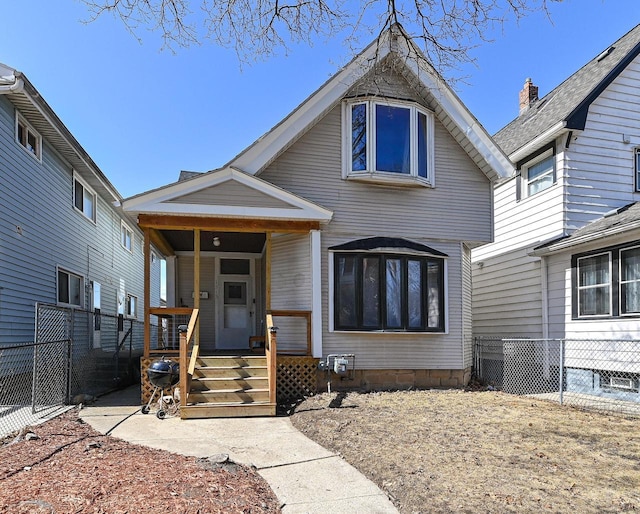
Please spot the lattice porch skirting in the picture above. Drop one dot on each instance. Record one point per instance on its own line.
(145, 386)
(297, 377)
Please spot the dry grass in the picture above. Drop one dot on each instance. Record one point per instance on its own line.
(457, 451)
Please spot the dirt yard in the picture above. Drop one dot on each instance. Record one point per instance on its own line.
(70, 468)
(481, 451)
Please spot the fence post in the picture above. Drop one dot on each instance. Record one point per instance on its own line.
(70, 356)
(561, 368)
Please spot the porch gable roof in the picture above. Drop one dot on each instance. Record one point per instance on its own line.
(227, 193)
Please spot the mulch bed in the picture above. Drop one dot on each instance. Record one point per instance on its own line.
(68, 467)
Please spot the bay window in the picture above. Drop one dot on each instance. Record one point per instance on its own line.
(388, 141)
(383, 291)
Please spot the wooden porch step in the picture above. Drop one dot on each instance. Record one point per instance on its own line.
(228, 410)
(228, 361)
(230, 371)
(225, 383)
(228, 396)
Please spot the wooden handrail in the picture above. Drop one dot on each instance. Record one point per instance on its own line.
(165, 312)
(185, 363)
(295, 314)
(271, 352)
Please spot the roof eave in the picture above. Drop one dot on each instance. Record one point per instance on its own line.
(539, 141)
(572, 241)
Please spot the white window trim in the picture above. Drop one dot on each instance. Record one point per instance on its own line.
(579, 289)
(37, 154)
(524, 173)
(82, 291)
(371, 174)
(123, 225)
(78, 178)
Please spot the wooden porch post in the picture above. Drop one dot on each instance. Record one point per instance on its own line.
(196, 277)
(147, 292)
(267, 278)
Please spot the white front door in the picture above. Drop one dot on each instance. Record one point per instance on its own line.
(235, 312)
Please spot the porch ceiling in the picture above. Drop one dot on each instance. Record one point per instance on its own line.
(245, 242)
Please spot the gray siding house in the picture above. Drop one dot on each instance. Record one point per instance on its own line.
(62, 241)
(360, 208)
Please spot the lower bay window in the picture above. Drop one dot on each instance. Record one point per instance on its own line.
(390, 292)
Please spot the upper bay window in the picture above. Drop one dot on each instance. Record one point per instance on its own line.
(636, 168)
(388, 142)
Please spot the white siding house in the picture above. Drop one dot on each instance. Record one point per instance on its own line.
(359, 208)
(565, 261)
(62, 241)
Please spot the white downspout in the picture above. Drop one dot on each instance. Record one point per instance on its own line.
(545, 315)
(316, 293)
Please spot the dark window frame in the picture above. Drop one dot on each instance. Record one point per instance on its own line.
(382, 325)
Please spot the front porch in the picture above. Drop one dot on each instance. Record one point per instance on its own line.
(243, 257)
(231, 362)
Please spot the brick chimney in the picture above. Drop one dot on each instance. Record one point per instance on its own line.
(528, 95)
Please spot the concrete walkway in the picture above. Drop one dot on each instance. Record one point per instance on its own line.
(306, 477)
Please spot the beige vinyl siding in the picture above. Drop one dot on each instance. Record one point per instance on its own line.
(457, 209)
(601, 164)
(312, 169)
(291, 288)
(185, 268)
(231, 193)
(507, 295)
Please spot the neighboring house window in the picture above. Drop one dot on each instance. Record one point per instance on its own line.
(538, 173)
(70, 287)
(28, 137)
(636, 162)
(388, 141)
(388, 292)
(84, 198)
(132, 306)
(126, 237)
(594, 285)
(607, 284)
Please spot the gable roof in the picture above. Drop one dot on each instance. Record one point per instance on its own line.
(566, 107)
(227, 193)
(394, 43)
(618, 221)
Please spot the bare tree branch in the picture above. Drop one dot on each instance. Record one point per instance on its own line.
(445, 30)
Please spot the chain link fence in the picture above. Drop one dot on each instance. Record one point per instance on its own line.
(76, 355)
(594, 374)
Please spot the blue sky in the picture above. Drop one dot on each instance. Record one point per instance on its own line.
(144, 113)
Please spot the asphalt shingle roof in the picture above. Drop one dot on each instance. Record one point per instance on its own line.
(570, 101)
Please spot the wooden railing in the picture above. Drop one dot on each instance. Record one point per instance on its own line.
(175, 316)
(295, 314)
(271, 353)
(188, 363)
